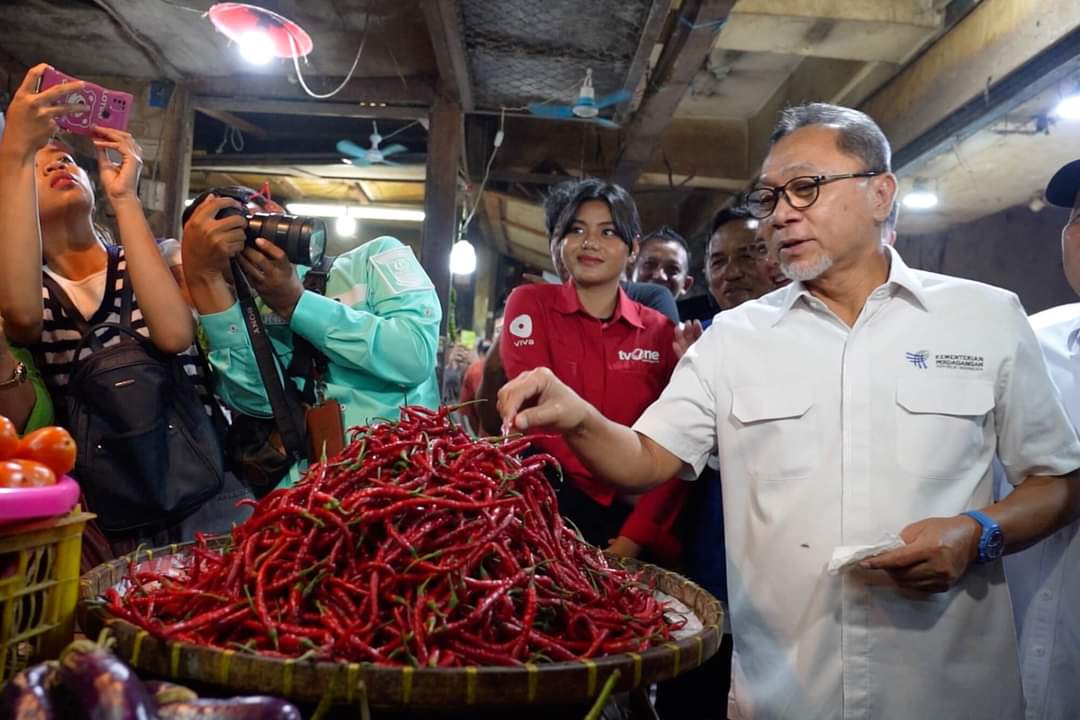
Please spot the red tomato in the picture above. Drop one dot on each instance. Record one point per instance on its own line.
(24, 474)
(9, 438)
(50, 446)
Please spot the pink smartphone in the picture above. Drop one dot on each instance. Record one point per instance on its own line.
(105, 108)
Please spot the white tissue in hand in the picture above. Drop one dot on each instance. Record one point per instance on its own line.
(847, 556)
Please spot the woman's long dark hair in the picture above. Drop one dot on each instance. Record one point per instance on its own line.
(562, 203)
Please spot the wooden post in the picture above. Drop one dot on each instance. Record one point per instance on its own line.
(486, 270)
(174, 162)
(440, 199)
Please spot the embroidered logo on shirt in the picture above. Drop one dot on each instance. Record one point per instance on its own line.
(918, 359)
(640, 355)
(400, 271)
(521, 326)
(959, 361)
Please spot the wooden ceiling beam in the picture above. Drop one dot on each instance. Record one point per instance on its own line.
(684, 53)
(996, 55)
(525, 229)
(234, 120)
(409, 90)
(118, 15)
(650, 34)
(492, 218)
(814, 80)
(919, 13)
(278, 106)
(444, 27)
(869, 30)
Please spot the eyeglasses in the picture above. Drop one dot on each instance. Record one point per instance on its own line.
(800, 192)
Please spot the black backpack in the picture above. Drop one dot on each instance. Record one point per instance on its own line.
(148, 453)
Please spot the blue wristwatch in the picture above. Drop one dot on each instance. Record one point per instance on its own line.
(992, 540)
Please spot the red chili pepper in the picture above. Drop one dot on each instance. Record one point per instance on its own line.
(417, 544)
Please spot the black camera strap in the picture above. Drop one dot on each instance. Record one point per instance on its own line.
(288, 415)
(308, 362)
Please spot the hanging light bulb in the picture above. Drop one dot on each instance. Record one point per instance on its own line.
(345, 226)
(462, 258)
(1069, 108)
(256, 47)
(260, 34)
(921, 196)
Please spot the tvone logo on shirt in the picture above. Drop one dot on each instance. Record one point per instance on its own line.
(640, 355)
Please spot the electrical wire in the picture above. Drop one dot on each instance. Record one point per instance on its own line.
(487, 173)
(233, 137)
(348, 76)
(339, 88)
(400, 129)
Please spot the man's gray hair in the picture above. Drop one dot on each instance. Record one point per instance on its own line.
(858, 134)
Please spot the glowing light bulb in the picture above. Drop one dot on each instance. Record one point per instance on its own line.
(462, 258)
(1068, 108)
(345, 226)
(256, 47)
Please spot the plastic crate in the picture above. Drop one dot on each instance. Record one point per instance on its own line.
(39, 587)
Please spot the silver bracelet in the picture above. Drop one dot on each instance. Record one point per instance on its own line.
(18, 376)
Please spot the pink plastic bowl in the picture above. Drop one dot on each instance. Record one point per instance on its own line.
(25, 503)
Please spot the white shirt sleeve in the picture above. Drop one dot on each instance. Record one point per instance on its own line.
(1035, 436)
(683, 418)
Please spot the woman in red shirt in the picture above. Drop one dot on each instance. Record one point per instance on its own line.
(614, 352)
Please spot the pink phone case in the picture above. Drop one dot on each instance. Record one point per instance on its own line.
(105, 108)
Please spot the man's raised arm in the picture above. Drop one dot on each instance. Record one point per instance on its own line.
(537, 400)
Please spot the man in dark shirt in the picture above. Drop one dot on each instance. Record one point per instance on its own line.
(737, 267)
(664, 260)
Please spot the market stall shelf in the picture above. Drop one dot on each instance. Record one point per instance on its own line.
(404, 687)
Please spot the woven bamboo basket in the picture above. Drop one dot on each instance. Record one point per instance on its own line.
(402, 687)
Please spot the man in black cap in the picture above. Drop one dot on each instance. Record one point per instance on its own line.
(1044, 587)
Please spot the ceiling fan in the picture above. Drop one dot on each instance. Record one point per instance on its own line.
(373, 155)
(587, 106)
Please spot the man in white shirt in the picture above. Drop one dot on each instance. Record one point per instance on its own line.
(865, 398)
(1043, 579)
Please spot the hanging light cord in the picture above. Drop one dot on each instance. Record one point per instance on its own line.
(348, 76)
(487, 172)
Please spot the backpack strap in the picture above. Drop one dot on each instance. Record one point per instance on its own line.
(127, 295)
(288, 415)
(56, 291)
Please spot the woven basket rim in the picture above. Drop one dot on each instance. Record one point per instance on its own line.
(391, 686)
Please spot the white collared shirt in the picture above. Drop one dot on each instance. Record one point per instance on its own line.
(1044, 580)
(829, 436)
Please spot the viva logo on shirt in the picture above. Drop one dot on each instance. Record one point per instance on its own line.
(521, 327)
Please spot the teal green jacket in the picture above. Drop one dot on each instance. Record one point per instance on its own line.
(378, 326)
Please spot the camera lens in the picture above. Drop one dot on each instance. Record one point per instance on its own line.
(302, 239)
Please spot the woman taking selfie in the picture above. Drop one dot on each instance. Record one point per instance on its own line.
(614, 352)
(47, 210)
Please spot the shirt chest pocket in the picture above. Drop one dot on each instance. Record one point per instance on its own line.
(776, 430)
(941, 425)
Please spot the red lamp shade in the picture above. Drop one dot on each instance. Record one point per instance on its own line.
(237, 20)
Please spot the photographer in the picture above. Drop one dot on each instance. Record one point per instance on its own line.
(95, 295)
(377, 324)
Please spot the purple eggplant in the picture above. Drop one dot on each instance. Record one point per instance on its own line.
(103, 687)
(256, 707)
(26, 696)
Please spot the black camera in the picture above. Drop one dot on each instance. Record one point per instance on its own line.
(303, 239)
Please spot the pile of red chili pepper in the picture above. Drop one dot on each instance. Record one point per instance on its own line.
(416, 545)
